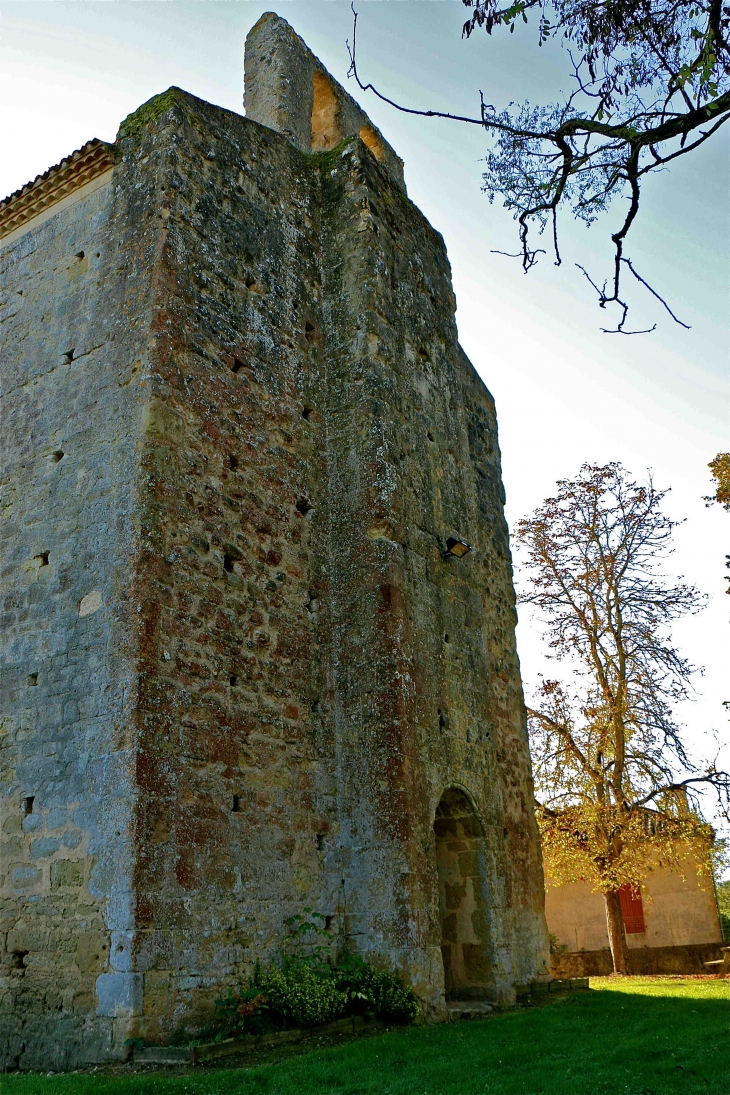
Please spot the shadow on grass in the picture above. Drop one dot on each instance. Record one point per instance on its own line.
(622, 1042)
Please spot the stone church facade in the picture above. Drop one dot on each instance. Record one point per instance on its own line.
(250, 665)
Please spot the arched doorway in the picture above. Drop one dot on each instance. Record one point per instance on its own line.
(462, 902)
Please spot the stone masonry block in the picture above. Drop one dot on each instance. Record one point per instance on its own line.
(119, 995)
(92, 949)
(46, 846)
(67, 872)
(22, 877)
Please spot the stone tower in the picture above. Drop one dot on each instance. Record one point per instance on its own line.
(250, 665)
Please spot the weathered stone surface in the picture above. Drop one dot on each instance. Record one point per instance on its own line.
(256, 670)
(289, 89)
(70, 328)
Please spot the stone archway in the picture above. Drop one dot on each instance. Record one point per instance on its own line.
(462, 901)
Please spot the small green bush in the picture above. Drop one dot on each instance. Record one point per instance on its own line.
(299, 995)
(307, 987)
(242, 1012)
(375, 992)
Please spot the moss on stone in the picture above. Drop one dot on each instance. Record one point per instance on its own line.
(149, 112)
(327, 160)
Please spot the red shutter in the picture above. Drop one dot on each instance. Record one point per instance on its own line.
(632, 910)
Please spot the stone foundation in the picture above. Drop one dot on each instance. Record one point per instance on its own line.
(642, 960)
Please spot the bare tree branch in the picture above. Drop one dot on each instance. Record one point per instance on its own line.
(651, 77)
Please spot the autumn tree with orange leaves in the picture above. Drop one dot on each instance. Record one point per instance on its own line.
(720, 468)
(614, 782)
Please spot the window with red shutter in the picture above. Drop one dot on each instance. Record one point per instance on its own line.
(632, 910)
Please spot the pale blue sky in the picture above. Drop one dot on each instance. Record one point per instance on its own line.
(565, 392)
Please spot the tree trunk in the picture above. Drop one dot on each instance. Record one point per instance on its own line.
(616, 932)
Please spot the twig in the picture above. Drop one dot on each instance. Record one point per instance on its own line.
(352, 71)
(654, 293)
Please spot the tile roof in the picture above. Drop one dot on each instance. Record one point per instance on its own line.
(73, 172)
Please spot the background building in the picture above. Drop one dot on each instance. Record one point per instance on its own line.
(672, 925)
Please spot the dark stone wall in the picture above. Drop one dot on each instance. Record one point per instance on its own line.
(299, 672)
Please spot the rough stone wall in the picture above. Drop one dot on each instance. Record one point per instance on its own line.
(424, 672)
(280, 432)
(643, 961)
(314, 672)
(74, 293)
(233, 813)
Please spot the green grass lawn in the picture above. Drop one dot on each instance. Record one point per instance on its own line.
(629, 1036)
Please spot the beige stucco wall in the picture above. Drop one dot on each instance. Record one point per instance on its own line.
(677, 912)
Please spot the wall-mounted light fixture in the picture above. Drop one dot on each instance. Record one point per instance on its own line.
(455, 547)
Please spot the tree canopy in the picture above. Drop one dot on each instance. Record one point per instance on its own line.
(720, 468)
(650, 83)
(614, 781)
